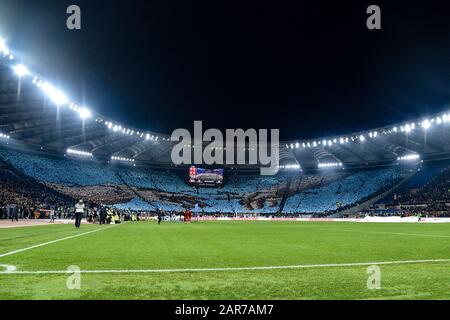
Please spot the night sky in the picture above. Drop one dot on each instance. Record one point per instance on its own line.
(310, 69)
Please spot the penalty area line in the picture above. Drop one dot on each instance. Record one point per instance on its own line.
(304, 266)
(53, 241)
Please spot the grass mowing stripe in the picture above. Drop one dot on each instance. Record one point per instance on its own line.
(304, 266)
(50, 242)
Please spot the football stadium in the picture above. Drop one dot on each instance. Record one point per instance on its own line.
(93, 207)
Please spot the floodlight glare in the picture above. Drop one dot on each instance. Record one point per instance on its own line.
(84, 113)
(426, 124)
(3, 48)
(409, 157)
(54, 94)
(21, 70)
(407, 128)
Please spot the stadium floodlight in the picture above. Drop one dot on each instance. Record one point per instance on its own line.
(409, 157)
(21, 70)
(4, 136)
(84, 113)
(329, 164)
(438, 120)
(362, 138)
(290, 166)
(297, 145)
(122, 159)
(79, 152)
(147, 137)
(54, 94)
(426, 124)
(407, 128)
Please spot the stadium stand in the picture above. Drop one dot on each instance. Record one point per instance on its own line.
(341, 193)
(61, 171)
(37, 180)
(31, 180)
(24, 194)
(411, 190)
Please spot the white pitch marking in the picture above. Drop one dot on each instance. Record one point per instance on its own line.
(8, 268)
(50, 242)
(304, 266)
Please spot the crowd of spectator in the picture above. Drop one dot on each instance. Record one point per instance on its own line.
(24, 197)
(342, 193)
(33, 185)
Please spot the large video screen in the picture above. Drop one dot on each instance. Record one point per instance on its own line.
(204, 176)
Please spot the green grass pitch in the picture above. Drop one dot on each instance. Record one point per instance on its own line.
(147, 246)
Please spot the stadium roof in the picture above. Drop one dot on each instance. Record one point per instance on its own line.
(33, 112)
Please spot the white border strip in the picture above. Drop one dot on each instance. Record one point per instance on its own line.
(53, 241)
(386, 232)
(304, 266)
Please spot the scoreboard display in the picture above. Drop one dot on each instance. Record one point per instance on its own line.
(207, 177)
